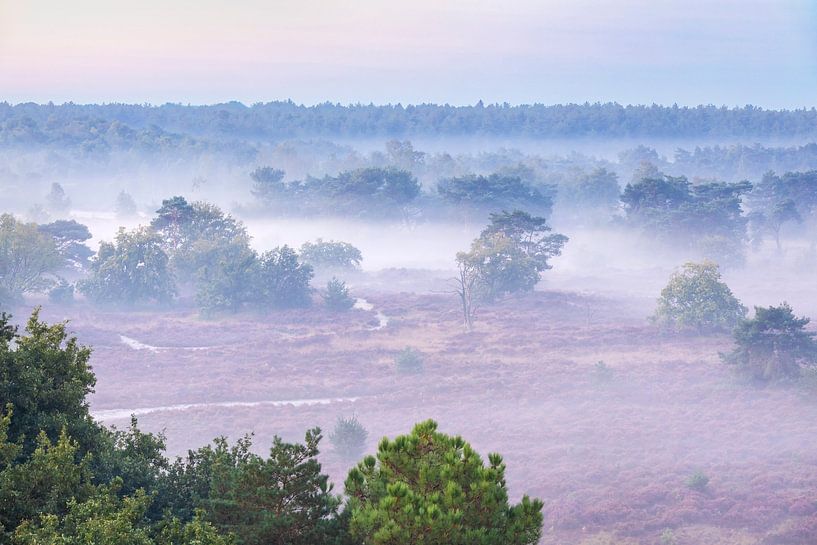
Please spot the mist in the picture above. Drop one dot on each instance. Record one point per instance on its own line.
(317, 280)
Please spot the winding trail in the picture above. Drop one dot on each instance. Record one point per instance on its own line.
(137, 345)
(119, 414)
(382, 319)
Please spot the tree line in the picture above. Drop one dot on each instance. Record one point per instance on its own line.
(191, 246)
(285, 119)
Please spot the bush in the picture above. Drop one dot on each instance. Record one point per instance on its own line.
(409, 360)
(603, 372)
(349, 438)
(668, 537)
(773, 345)
(696, 298)
(337, 296)
(698, 481)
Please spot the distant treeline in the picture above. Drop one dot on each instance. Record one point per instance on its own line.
(275, 120)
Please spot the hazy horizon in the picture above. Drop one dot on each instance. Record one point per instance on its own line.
(632, 52)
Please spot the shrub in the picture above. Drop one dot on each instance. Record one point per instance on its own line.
(696, 298)
(602, 372)
(337, 295)
(62, 293)
(349, 438)
(668, 537)
(773, 345)
(409, 360)
(698, 481)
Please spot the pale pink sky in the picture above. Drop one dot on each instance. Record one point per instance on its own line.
(633, 51)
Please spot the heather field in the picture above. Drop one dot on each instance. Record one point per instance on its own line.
(615, 449)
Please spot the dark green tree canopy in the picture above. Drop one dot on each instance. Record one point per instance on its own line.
(495, 192)
(45, 377)
(431, 488)
(268, 183)
(370, 191)
(774, 344)
(69, 238)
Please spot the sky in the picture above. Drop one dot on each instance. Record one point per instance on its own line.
(724, 52)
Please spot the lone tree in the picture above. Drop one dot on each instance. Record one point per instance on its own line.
(696, 298)
(773, 345)
(349, 438)
(57, 200)
(508, 257)
(268, 183)
(430, 488)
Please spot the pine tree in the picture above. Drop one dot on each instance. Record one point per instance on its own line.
(432, 489)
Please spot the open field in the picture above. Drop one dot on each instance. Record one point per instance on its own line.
(609, 451)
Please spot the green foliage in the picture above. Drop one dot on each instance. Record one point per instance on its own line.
(371, 191)
(69, 239)
(349, 438)
(676, 211)
(64, 478)
(226, 275)
(267, 183)
(778, 200)
(196, 532)
(696, 298)
(409, 360)
(698, 481)
(281, 500)
(590, 197)
(137, 459)
(28, 258)
(283, 282)
(45, 376)
(430, 488)
(773, 345)
(511, 253)
(45, 482)
(195, 235)
(104, 518)
(132, 270)
(337, 296)
(323, 254)
(494, 192)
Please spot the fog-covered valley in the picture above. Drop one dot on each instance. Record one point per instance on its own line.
(583, 306)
